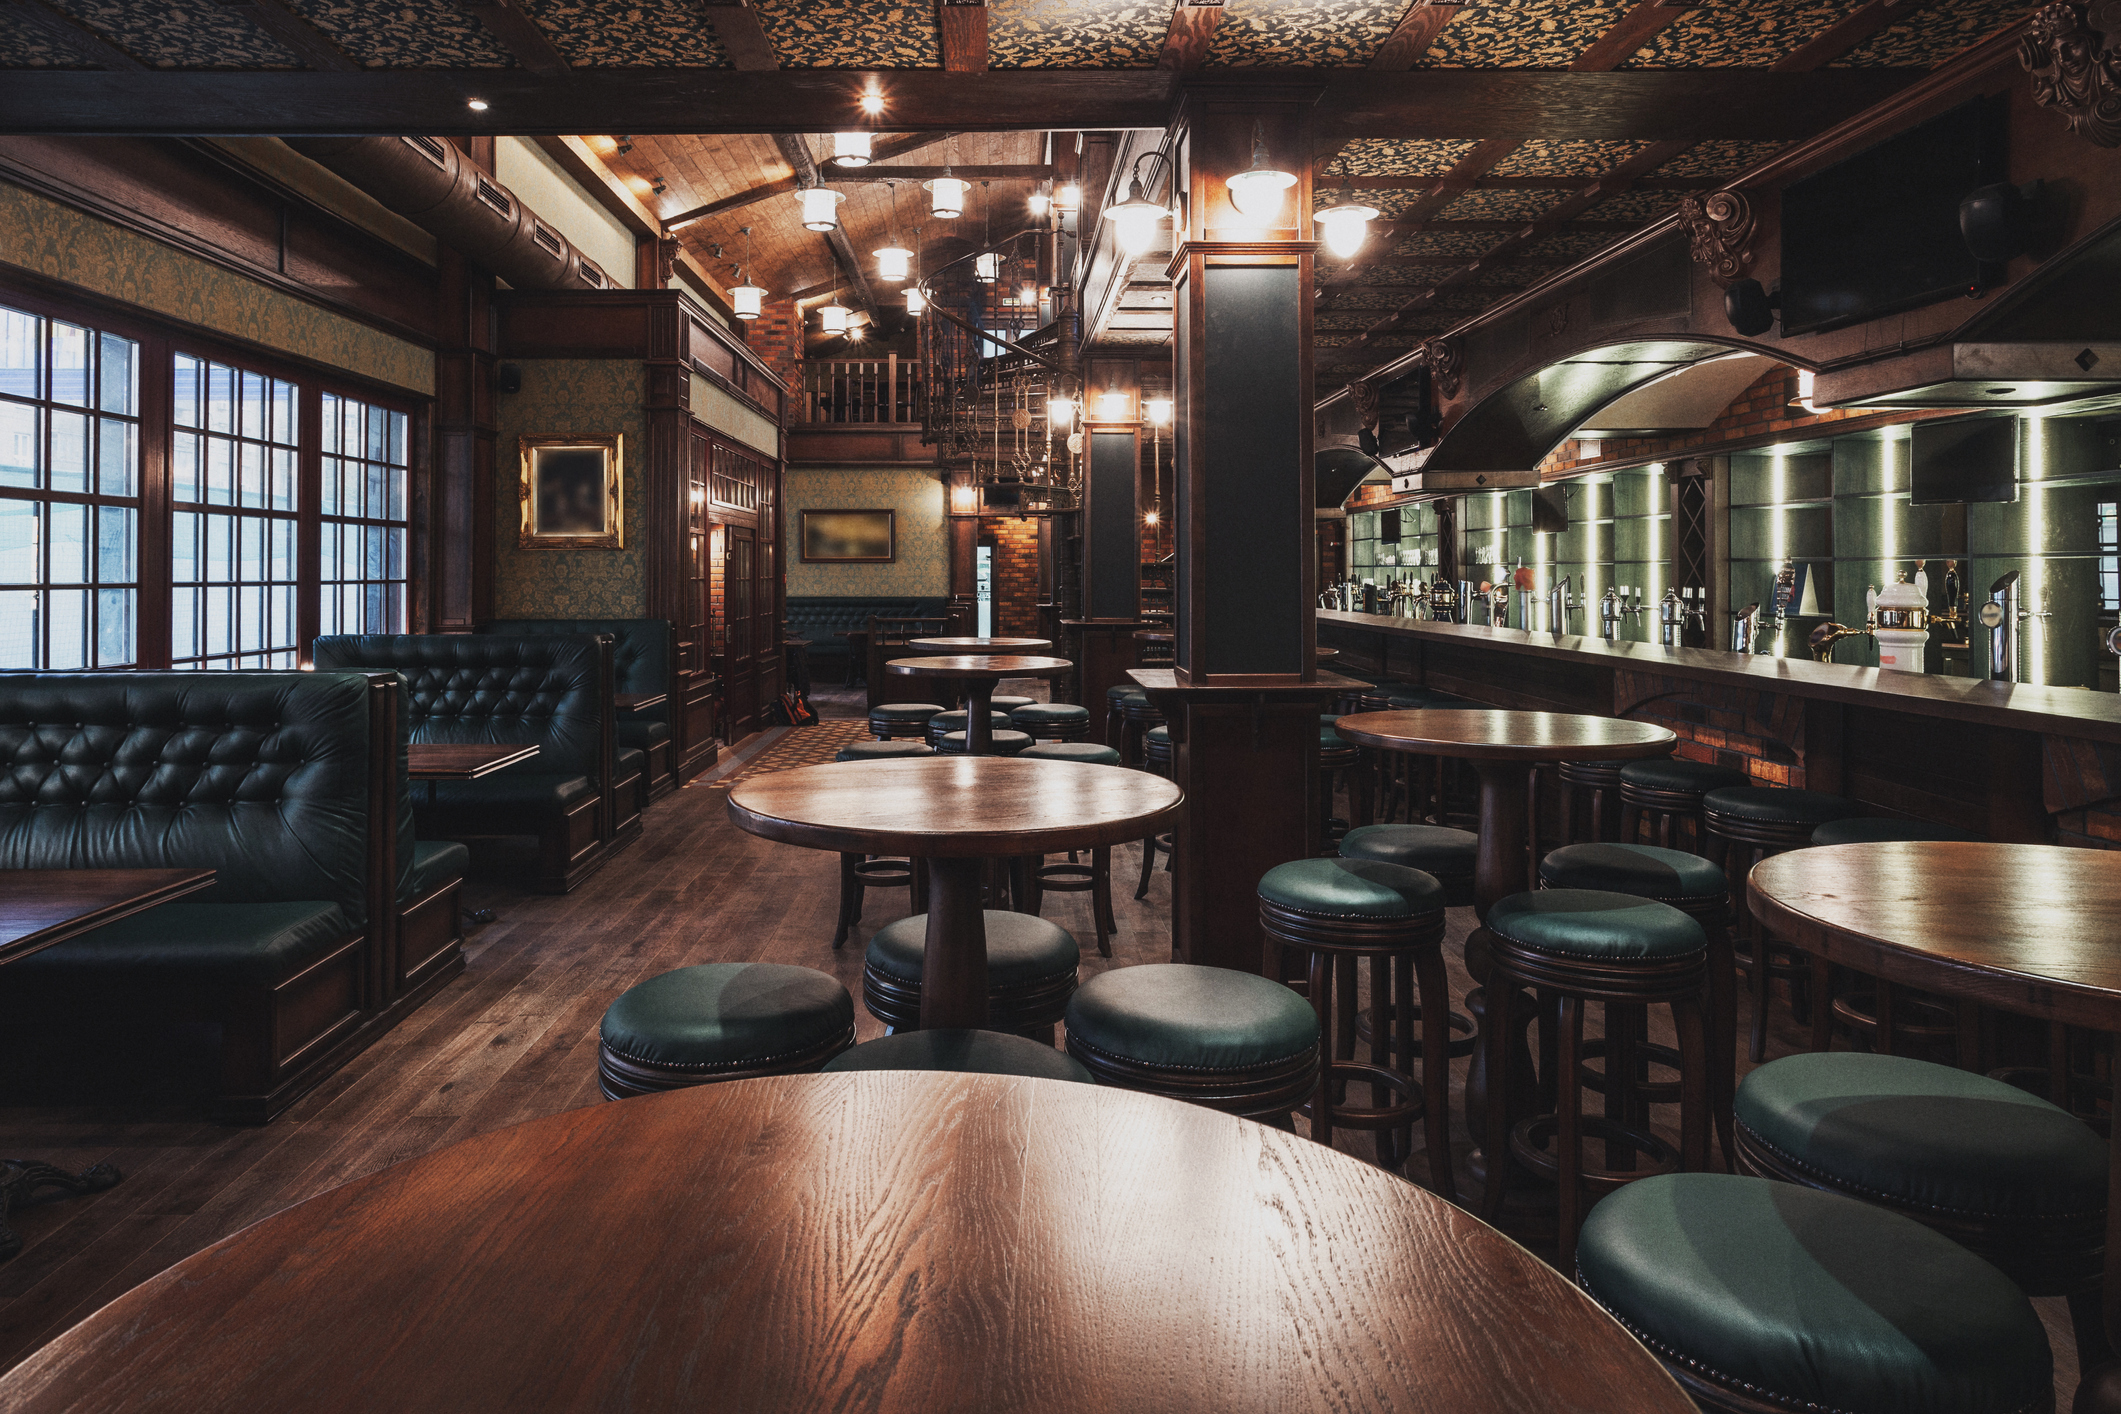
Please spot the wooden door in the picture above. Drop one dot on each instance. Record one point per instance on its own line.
(768, 657)
(697, 710)
(740, 678)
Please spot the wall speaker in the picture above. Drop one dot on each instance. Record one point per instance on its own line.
(508, 378)
(1749, 308)
(1997, 221)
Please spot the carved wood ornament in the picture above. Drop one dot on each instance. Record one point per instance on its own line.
(1719, 230)
(1364, 396)
(2074, 55)
(1447, 366)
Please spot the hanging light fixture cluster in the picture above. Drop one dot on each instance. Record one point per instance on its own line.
(747, 299)
(1257, 191)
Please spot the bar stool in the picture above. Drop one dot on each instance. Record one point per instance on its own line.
(1137, 716)
(1003, 743)
(721, 1021)
(861, 872)
(2002, 1173)
(1447, 855)
(965, 1052)
(1762, 1296)
(1341, 912)
(1339, 758)
(1588, 945)
(1031, 967)
(1010, 704)
(1404, 775)
(1600, 780)
(1211, 1036)
(1156, 758)
(1052, 721)
(1666, 793)
(1114, 723)
(1745, 825)
(944, 723)
(1070, 877)
(901, 719)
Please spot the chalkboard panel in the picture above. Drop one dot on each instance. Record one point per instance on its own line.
(1112, 544)
(1258, 525)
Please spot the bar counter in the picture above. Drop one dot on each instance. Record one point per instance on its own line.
(2018, 761)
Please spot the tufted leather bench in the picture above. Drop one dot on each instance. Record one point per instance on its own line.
(816, 619)
(644, 659)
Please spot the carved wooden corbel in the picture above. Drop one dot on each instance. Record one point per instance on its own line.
(2073, 53)
(1364, 396)
(1719, 230)
(1447, 366)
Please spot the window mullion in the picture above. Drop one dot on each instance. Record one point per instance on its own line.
(153, 548)
(308, 498)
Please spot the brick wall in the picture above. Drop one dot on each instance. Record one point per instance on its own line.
(1760, 733)
(776, 336)
(1015, 574)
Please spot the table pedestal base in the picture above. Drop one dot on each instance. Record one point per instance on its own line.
(954, 963)
(1499, 867)
(23, 1181)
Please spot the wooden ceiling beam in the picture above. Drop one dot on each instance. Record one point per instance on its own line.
(743, 38)
(519, 35)
(961, 28)
(1628, 34)
(303, 39)
(1845, 34)
(1191, 34)
(1410, 39)
(892, 147)
(64, 30)
(796, 149)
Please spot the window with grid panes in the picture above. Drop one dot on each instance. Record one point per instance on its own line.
(362, 500)
(69, 495)
(234, 491)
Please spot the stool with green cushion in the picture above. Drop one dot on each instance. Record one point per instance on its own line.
(1114, 723)
(1088, 753)
(1004, 743)
(943, 723)
(1052, 721)
(1209, 1035)
(1136, 714)
(1591, 945)
(1448, 854)
(721, 1021)
(1860, 829)
(1341, 912)
(861, 872)
(434, 864)
(1761, 1296)
(902, 719)
(1031, 966)
(1069, 876)
(883, 751)
(966, 1052)
(1009, 704)
(1665, 793)
(1156, 756)
(1340, 760)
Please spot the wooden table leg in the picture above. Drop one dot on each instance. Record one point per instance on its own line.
(1499, 869)
(979, 717)
(954, 963)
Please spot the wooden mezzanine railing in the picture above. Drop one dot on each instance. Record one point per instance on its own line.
(861, 390)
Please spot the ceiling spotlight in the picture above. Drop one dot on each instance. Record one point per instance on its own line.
(946, 196)
(872, 102)
(1257, 191)
(893, 263)
(476, 105)
(851, 149)
(821, 208)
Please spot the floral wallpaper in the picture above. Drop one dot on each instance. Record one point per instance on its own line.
(407, 34)
(1401, 156)
(852, 34)
(1638, 204)
(569, 397)
(1320, 33)
(1718, 157)
(1546, 157)
(61, 243)
(1075, 34)
(32, 47)
(1503, 204)
(192, 36)
(1935, 33)
(1523, 34)
(1742, 34)
(636, 34)
(1465, 243)
(922, 570)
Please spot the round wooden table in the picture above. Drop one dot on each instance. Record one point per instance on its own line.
(2025, 928)
(979, 674)
(1503, 746)
(861, 1242)
(954, 812)
(980, 645)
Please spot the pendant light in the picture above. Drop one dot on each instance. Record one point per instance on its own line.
(832, 318)
(746, 300)
(1345, 225)
(851, 149)
(821, 209)
(893, 261)
(1159, 411)
(987, 267)
(916, 302)
(1257, 191)
(946, 196)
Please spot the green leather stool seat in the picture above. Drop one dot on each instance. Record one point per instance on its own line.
(1417, 699)
(1351, 888)
(1021, 949)
(883, 750)
(1010, 704)
(1160, 735)
(1805, 1300)
(1203, 1018)
(1042, 714)
(915, 712)
(1330, 740)
(1861, 829)
(1921, 1135)
(1123, 689)
(1006, 743)
(1087, 752)
(966, 1052)
(1779, 807)
(1450, 855)
(1673, 773)
(720, 1020)
(1596, 925)
(945, 722)
(1668, 875)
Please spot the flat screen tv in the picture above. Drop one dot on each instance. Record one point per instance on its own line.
(1880, 231)
(1971, 460)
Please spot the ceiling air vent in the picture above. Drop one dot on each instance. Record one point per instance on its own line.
(496, 198)
(591, 276)
(428, 148)
(545, 236)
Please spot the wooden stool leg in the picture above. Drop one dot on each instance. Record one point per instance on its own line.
(1390, 1152)
(1568, 1139)
(1721, 1031)
(1141, 890)
(1435, 1063)
(1882, 1042)
(850, 898)
(1622, 1024)
(1822, 1015)
(1630, 822)
(1500, 994)
(1344, 1012)
(920, 885)
(1101, 898)
(1693, 1086)
(1321, 989)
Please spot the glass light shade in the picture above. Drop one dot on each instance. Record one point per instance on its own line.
(746, 300)
(1060, 413)
(893, 263)
(1135, 223)
(1258, 193)
(1159, 411)
(1345, 227)
(851, 149)
(1113, 407)
(988, 267)
(832, 319)
(1038, 201)
(916, 302)
(1068, 198)
(821, 209)
(946, 197)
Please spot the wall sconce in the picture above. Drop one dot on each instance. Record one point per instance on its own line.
(1114, 407)
(1589, 449)
(1060, 414)
(1068, 200)
(1257, 191)
(964, 500)
(1806, 382)
(1038, 201)
(821, 209)
(851, 149)
(1159, 411)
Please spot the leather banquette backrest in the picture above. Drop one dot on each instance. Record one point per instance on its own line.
(641, 649)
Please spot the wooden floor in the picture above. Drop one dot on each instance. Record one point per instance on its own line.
(513, 1039)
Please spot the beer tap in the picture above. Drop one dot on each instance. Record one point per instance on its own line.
(1609, 610)
(1497, 598)
(1745, 628)
(1443, 600)
(1559, 602)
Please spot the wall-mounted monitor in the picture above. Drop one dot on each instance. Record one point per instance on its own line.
(1974, 459)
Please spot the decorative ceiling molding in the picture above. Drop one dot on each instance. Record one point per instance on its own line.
(2074, 55)
(1720, 229)
(1447, 365)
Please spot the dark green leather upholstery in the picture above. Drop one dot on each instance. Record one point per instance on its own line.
(1133, 696)
(531, 791)
(642, 735)
(1177, 1014)
(1043, 714)
(1643, 870)
(1351, 888)
(1815, 1300)
(1418, 699)
(1925, 1135)
(1675, 773)
(1122, 689)
(1330, 740)
(238, 944)
(883, 750)
(643, 654)
(435, 863)
(814, 618)
(722, 1014)
(1005, 743)
(1594, 924)
(943, 722)
(1780, 807)
(967, 1052)
(1859, 829)
(904, 711)
(1087, 752)
(1447, 854)
(1010, 704)
(631, 762)
(1160, 735)
(1021, 949)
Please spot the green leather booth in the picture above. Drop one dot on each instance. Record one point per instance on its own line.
(644, 661)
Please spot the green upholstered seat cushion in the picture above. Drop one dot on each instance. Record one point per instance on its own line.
(1674, 773)
(254, 944)
(1050, 713)
(1790, 807)
(1351, 888)
(642, 734)
(1087, 752)
(435, 863)
(967, 1052)
(1592, 923)
(1813, 1299)
(955, 721)
(727, 1013)
(904, 711)
(630, 762)
(1005, 743)
(536, 794)
(1009, 704)
(1926, 1135)
(1021, 949)
(1160, 735)
(1174, 1013)
(882, 750)
(1859, 829)
(1417, 699)
(1122, 689)
(1433, 849)
(1330, 740)
(1640, 869)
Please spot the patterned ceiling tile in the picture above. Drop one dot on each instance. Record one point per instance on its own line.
(1372, 300)
(1523, 34)
(1466, 243)
(1328, 341)
(1718, 157)
(1935, 33)
(1402, 274)
(852, 34)
(1075, 34)
(644, 34)
(1570, 245)
(407, 34)
(24, 47)
(1503, 204)
(1635, 205)
(1738, 34)
(1389, 201)
(182, 36)
(1348, 319)
(1316, 33)
(1464, 299)
(1400, 156)
(1543, 158)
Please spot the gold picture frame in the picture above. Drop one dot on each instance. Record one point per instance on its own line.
(573, 493)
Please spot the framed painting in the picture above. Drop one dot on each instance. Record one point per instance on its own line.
(849, 537)
(572, 497)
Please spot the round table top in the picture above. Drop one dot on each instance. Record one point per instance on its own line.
(2027, 927)
(864, 1241)
(981, 645)
(954, 806)
(1325, 653)
(996, 666)
(1483, 734)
